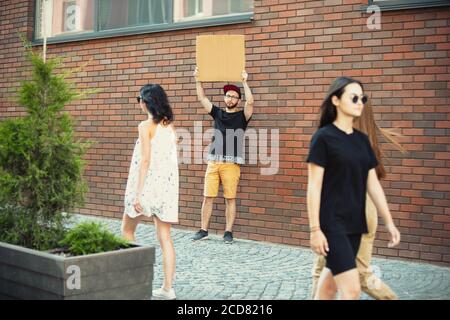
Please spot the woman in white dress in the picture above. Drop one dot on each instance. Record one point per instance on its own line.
(152, 186)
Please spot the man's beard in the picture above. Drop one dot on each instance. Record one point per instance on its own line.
(232, 106)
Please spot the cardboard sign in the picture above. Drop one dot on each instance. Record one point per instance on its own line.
(220, 57)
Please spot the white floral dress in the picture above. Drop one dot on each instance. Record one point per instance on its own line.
(159, 195)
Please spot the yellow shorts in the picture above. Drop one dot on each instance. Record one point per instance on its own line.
(228, 173)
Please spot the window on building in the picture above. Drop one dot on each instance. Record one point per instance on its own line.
(83, 19)
(407, 4)
(201, 9)
(115, 14)
(65, 17)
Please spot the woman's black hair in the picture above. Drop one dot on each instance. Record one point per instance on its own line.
(157, 103)
(328, 112)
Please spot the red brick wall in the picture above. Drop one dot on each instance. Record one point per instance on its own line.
(294, 50)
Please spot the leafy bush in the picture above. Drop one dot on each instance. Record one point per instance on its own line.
(92, 237)
(41, 162)
(21, 227)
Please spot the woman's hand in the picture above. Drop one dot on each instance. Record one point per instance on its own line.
(319, 243)
(395, 235)
(137, 205)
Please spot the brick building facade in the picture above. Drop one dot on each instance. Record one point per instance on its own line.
(294, 49)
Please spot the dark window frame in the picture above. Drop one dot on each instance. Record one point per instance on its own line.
(170, 26)
(405, 4)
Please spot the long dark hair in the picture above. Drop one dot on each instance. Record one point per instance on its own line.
(367, 124)
(328, 112)
(157, 103)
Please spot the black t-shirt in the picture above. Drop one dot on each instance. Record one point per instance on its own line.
(347, 159)
(228, 136)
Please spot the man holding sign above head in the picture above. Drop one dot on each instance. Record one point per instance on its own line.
(226, 153)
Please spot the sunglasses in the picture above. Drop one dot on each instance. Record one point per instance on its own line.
(364, 99)
(139, 98)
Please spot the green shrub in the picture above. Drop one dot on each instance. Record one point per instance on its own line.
(92, 237)
(19, 226)
(41, 162)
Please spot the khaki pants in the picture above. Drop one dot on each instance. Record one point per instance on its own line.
(370, 283)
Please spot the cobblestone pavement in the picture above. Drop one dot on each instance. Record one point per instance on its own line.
(248, 269)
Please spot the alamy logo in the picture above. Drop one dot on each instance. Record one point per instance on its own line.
(374, 21)
(74, 280)
(263, 146)
(374, 281)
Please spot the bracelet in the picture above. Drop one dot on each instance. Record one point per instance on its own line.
(315, 228)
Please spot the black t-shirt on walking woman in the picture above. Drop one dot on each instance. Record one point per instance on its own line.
(347, 159)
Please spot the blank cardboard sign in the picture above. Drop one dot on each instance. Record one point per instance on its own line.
(220, 57)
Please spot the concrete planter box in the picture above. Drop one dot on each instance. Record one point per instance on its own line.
(31, 274)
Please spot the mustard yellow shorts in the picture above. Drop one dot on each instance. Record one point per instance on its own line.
(228, 173)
